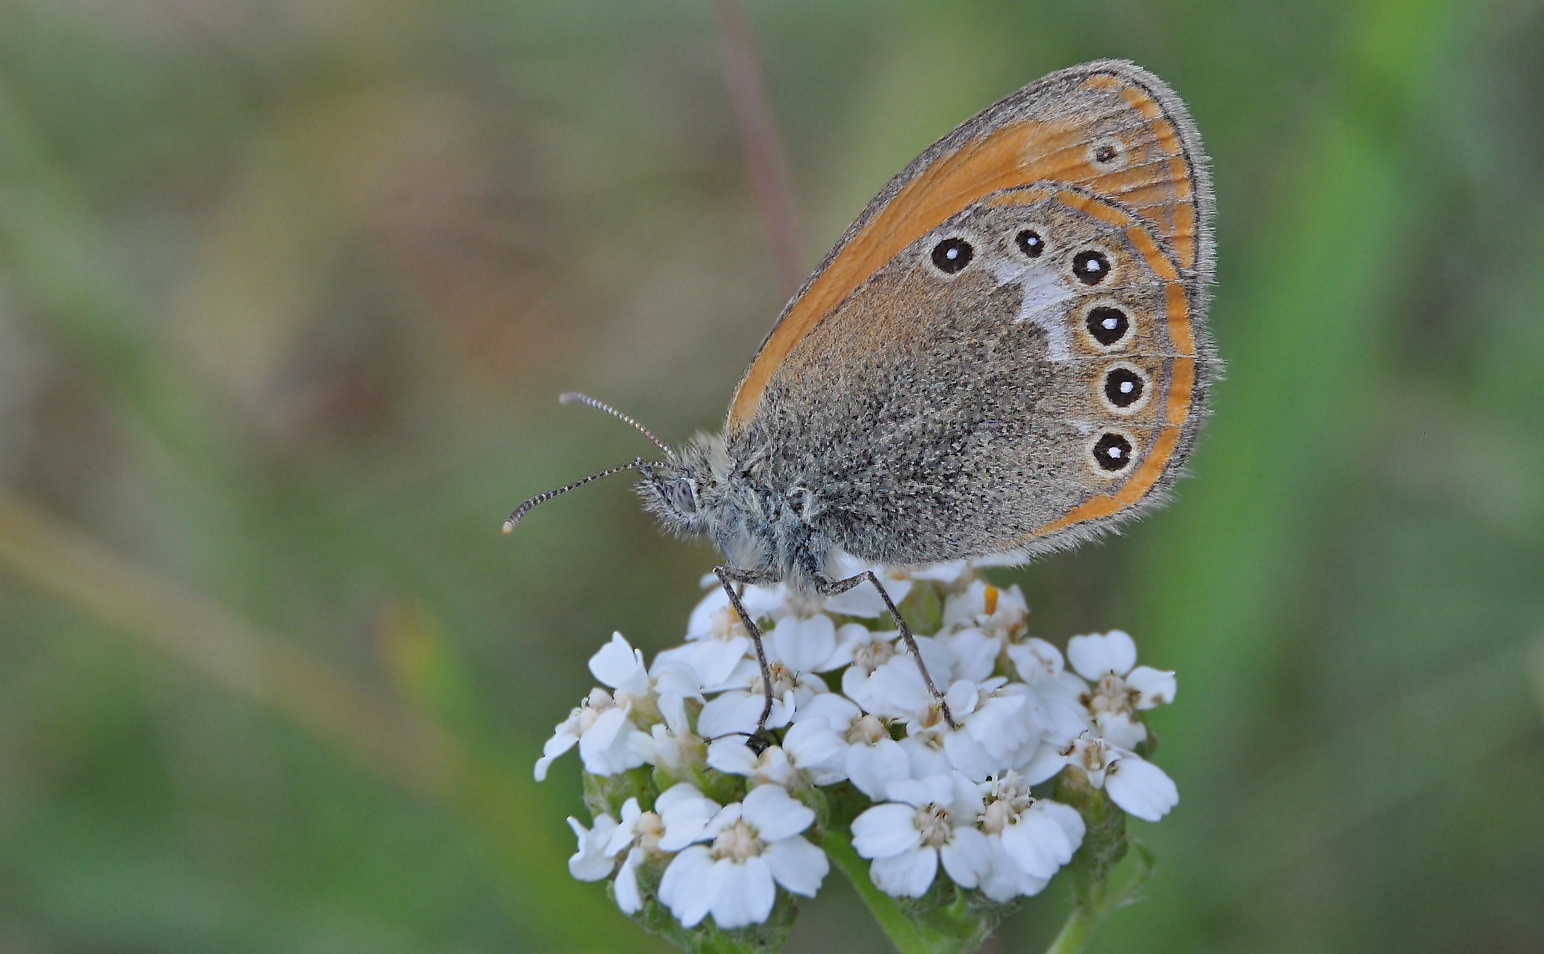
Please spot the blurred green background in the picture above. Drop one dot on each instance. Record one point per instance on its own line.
(287, 290)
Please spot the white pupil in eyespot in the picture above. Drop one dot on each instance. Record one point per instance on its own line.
(1126, 386)
(1110, 323)
(952, 253)
(1114, 452)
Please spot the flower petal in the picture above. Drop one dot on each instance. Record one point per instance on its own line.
(688, 888)
(885, 831)
(873, 767)
(1038, 843)
(817, 749)
(1154, 686)
(625, 887)
(1093, 656)
(1141, 788)
(802, 643)
(620, 666)
(906, 875)
(590, 862)
(564, 740)
(714, 660)
(967, 857)
(745, 893)
(797, 865)
(731, 755)
(684, 812)
(975, 654)
(775, 814)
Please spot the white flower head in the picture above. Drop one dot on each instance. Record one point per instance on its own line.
(756, 845)
(638, 834)
(1119, 690)
(950, 793)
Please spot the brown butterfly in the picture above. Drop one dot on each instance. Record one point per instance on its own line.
(1005, 354)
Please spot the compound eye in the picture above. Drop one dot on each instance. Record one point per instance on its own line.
(683, 496)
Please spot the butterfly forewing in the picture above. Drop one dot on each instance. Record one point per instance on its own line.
(1110, 127)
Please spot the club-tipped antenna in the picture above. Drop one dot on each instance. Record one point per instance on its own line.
(572, 397)
(525, 508)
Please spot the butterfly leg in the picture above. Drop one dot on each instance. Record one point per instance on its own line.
(830, 588)
(728, 576)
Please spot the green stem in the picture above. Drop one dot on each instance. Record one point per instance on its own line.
(1074, 934)
(897, 927)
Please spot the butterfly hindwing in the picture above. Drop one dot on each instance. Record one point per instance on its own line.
(1023, 374)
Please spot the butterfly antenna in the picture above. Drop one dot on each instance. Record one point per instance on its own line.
(573, 397)
(525, 508)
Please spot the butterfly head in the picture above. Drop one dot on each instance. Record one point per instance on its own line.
(699, 491)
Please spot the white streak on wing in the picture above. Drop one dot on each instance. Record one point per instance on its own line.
(1044, 294)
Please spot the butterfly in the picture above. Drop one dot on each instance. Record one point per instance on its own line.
(1006, 353)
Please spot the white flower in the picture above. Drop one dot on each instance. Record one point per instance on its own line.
(591, 862)
(671, 684)
(929, 820)
(716, 639)
(1119, 690)
(677, 753)
(604, 733)
(679, 817)
(756, 846)
(1138, 786)
(866, 652)
(736, 710)
(867, 754)
(671, 745)
(1030, 838)
(810, 747)
(684, 814)
(999, 724)
(1061, 693)
(638, 835)
(896, 690)
(1002, 615)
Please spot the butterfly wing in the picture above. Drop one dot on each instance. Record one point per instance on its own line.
(1028, 367)
(1109, 126)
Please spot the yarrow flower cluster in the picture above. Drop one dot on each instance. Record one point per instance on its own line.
(696, 817)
